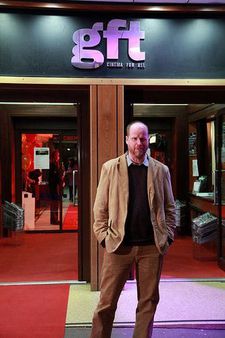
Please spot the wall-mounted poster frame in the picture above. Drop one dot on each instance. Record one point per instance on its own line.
(192, 144)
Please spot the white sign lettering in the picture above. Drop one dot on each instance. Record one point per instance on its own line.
(85, 57)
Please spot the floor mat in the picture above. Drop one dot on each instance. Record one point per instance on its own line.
(181, 303)
(33, 311)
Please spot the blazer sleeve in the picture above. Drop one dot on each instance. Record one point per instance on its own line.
(100, 209)
(169, 206)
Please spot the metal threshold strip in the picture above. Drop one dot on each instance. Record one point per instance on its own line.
(40, 103)
(70, 281)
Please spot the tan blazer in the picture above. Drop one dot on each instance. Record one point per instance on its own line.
(111, 203)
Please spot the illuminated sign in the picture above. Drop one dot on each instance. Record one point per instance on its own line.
(85, 56)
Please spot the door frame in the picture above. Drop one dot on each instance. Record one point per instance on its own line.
(218, 146)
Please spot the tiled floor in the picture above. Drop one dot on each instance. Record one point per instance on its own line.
(157, 333)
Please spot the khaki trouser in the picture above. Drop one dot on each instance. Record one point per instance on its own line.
(115, 271)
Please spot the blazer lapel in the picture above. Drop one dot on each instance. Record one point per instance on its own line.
(150, 179)
(123, 179)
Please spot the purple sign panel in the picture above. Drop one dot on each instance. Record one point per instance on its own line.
(86, 53)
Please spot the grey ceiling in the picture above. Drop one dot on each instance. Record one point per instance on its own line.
(208, 2)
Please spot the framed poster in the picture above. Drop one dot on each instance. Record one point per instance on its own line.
(192, 144)
(41, 157)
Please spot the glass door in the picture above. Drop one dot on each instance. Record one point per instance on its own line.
(221, 185)
(69, 149)
(49, 179)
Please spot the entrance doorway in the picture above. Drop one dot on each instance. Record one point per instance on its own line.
(46, 163)
(49, 168)
(49, 109)
(169, 130)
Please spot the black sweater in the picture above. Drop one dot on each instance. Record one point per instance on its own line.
(138, 226)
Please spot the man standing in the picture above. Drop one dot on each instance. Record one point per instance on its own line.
(134, 220)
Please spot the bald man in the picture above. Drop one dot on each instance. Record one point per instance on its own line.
(134, 220)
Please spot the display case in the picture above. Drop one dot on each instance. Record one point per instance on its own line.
(220, 187)
(202, 160)
(207, 181)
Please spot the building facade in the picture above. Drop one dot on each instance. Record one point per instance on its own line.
(81, 72)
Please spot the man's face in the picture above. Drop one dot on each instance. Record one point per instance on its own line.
(137, 141)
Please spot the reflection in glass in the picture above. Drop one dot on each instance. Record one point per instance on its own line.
(50, 188)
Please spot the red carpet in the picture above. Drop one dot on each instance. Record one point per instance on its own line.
(39, 257)
(180, 262)
(46, 257)
(33, 311)
(70, 221)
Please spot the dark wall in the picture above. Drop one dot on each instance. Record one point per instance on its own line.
(175, 47)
